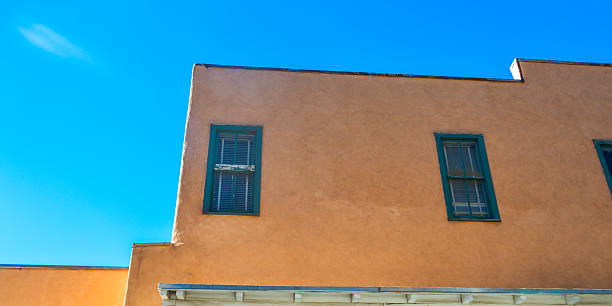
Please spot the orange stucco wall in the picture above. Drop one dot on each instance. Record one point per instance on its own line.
(62, 287)
(351, 192)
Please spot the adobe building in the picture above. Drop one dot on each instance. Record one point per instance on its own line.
(321, 187)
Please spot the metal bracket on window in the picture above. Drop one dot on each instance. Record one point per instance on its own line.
(238, 168)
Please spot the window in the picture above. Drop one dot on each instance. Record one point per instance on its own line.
(466, 179)
(233, 172)
(604, 150)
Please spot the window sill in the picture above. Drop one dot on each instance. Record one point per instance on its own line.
(474, 219)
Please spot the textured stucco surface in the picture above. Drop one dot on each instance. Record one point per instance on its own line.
(351, 192)
(62, 287)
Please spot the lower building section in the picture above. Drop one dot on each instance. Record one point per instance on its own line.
(168, 263)
(26, 285)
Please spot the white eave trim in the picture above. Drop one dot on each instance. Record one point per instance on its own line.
(191, 294)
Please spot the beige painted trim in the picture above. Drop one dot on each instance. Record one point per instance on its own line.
(287, 297)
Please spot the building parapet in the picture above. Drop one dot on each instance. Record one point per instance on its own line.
(17, 266)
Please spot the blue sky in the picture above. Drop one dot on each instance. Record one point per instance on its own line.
(94, 95)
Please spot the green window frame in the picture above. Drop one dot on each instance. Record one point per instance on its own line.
(473, 198)
(603, 147)
(233, 177)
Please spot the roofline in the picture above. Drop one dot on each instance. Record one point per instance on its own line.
(518, 60)
(401, 75)
(150, 244)
(17, 266)
(164, 286)
(563, 62)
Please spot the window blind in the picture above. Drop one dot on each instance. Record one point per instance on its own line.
(465, 179)
(234, 169)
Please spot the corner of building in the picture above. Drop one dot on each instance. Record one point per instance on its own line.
(149, 263)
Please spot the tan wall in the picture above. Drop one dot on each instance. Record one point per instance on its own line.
(62, 287)
(351, 191)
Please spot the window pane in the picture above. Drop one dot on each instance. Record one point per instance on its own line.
(607, 153)
(243, 193)
(233, 192)
(460, 197)
(470, 159)
(225, 148)
(453, 159)
(245, 149)
(222, 195)
(478, 202)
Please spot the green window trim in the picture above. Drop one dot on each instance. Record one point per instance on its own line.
(601, 146)
(212, 167)
(478, 141)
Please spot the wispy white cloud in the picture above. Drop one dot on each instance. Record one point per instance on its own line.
(52, 42)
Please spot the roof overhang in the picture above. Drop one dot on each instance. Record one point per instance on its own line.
(193, 294)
